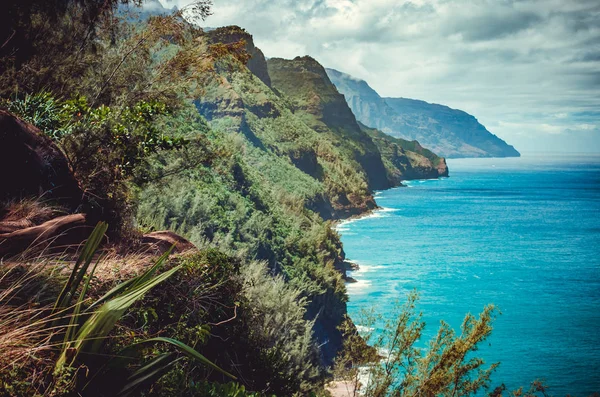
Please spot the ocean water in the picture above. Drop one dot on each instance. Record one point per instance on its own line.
(523, 234)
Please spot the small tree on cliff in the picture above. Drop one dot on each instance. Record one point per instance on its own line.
(445, 368)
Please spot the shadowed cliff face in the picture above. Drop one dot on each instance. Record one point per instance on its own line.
(448, 132)
(240, 100)
(406, 160)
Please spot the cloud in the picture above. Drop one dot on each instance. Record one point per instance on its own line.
(508, 62)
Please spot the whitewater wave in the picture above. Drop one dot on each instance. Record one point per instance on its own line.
(381, 212)
(343, 225)
(413, 182)
(365, 268)
(358, 286)
(364, 329)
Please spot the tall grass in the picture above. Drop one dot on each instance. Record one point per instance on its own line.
(66, 342)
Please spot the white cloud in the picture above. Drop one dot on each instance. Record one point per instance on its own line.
(533, 63)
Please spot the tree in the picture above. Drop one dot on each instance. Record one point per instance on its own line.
(390, 363)
(38, 38)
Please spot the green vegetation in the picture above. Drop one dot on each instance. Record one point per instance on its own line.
(404, 159)
(395, 362)
(74, 331)
(168, 127)
(445, 369)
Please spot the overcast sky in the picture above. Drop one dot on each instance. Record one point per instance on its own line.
(529, 70)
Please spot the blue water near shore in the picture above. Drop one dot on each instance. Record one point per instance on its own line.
(521, 233)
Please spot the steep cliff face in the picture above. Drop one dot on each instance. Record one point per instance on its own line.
(448, 132)
(295, 129)
(453, 132)
(316, 100)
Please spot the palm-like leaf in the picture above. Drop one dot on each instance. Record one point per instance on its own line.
(81, 266)
(93, 332)
(86, 340)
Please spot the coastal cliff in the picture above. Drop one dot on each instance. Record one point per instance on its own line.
(448, 132)
(291, 112)
(249, 176)
(406, 160)
(296, 129)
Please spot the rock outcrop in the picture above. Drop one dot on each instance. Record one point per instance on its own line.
(33, 166)
(160, 242)
(304, 81)
(257, 63)
(406, 160)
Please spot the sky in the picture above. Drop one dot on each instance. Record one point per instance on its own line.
(529, 70)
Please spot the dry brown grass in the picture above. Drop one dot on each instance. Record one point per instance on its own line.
(25, 326)
(17, 215)
(29, 286)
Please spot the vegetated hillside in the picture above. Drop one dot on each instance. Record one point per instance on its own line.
(100, 113)
(252, 188)
(289, 164)
(295, 120)
(316, 101)
(448, 132)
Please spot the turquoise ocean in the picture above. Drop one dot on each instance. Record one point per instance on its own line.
(522, 233)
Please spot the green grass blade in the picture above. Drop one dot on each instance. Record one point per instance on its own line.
(150, 272)
(93, 332)
(132, 283)
(149, 373)
(86, 256)
(117, 290)
(190, 352)
(72, 328)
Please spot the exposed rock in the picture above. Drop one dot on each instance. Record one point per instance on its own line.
(33, 166)
(304, 81)
(59, 234)
(407, 160)
(160, 242)
(351, 266)
(442, 167)
(233, 34)
(307, 161)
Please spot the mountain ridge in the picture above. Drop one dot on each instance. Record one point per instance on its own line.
(448, 132)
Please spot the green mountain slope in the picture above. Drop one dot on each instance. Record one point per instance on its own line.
(448, 132)
(316, 101)
(289, 155)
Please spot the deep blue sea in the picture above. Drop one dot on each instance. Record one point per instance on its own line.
(521, 233)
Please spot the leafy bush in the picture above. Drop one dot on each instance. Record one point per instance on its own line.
(40, 109)
(275, 316)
